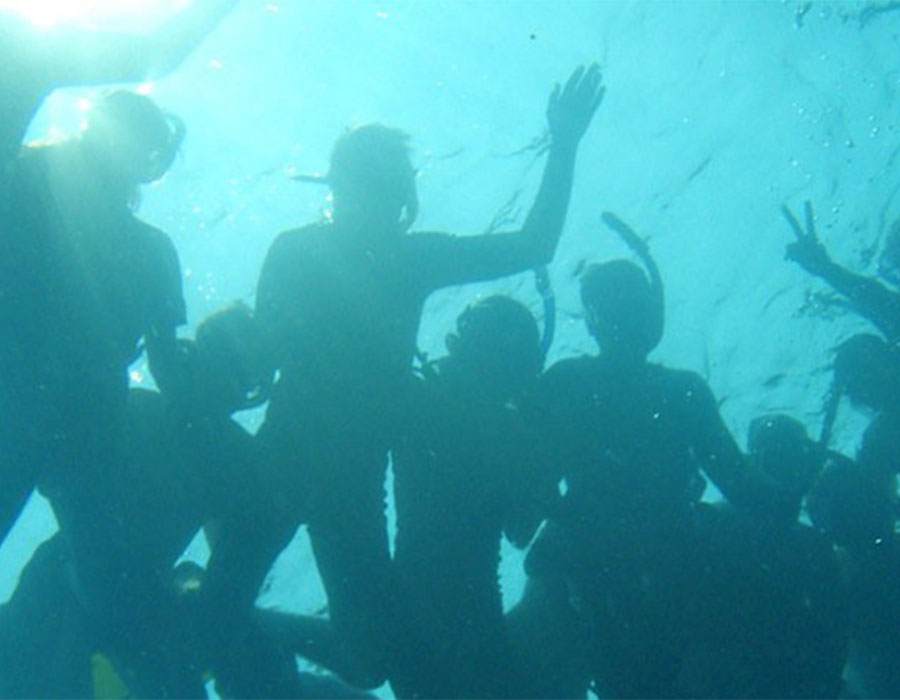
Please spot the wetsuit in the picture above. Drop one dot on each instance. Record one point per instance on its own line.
(868, 297)
(465, 472)
(775, 613)
(345, 321)
(81, 282)
(630, 443)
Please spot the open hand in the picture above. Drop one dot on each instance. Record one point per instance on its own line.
(571, 108)
(807, 251)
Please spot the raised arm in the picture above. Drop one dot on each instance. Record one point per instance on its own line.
(569, 113)
(74, 56)
(870, 299)
(475, 258)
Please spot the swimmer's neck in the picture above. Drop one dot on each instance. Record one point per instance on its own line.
(623, 363)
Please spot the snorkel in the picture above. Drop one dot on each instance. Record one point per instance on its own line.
(830, 409)
(639, 246)
(545, 289)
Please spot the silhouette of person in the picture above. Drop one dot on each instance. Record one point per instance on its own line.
(855, 503)
(775, 612)
(465, 475)
(83, 281)
(342, 302)
(186, 466)
(631, 437)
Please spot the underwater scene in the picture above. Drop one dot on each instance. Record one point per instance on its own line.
(449, 349)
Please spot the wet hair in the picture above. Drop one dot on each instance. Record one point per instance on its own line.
(619, 301)
(233, 359)
(375, 159)
(498, 330)
(867, 369)
(123, 124)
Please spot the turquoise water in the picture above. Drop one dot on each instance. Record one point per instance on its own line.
(716, 113)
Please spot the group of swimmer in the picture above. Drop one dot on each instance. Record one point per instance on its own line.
(636, 586)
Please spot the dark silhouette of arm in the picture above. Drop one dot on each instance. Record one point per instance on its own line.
(475, 258)
(169, 358)
(869, 298)
(719, 456)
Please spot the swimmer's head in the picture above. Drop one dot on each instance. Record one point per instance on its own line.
(619, 309)
(131, 137)
(867, 370)
(371, 173)
(498, 342)
(780, 448)
(233, 360)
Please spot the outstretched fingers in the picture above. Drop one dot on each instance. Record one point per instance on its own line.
(572, 107)
(792, 221)
(810, 219)
(574, 79)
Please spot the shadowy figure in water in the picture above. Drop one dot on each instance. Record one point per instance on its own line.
(855, 503)
(34, 61)
(82, 282)
(631, 438)
(868, 297)
(342, 302)
(775, 615)
(465, 475)
(186, 466)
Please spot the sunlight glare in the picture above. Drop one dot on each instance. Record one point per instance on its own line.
(88, 12)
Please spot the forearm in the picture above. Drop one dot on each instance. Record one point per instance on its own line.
(310, 637)
(750, 490)
(870, 298)
(544, 224)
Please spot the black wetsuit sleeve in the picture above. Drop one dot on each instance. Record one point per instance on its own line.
(443, 260)
(446, 261)
(169, 310)
(870, 298)
(719, 456)
(276, 307)
(166, 311)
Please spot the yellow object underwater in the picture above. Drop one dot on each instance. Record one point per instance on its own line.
(108, 685)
